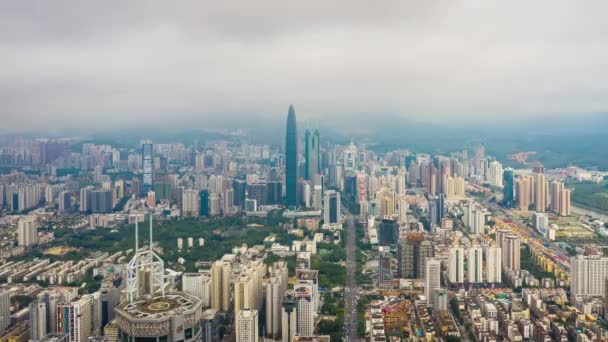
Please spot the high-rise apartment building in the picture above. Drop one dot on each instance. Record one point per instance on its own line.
(38, 320)
(523, 189)
(456, 265)
(493, 264)
(27, 231)
(220, 279)
(511, 245)
(475, 265)
(589, 274)
(198, 285)
(540, 192)
(246, 326)
(190, 203)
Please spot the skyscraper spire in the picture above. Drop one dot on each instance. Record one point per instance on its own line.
(291, 159)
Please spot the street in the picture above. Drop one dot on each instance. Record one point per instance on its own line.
(351, 323)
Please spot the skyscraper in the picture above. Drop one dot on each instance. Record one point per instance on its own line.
(493, 264)
(331, 212)
(588, 274)
(5, 309)
(456, 265)
(432, 280)
(288, 313)
(147, 156)
(311, 140)
(508, 199)
(291, 160)
(475, 265)
(27, 231)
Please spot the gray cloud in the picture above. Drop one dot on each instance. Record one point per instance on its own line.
(78, 63)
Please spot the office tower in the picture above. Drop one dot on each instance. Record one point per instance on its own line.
(496, 174)
(588, 275)
(259, 192)
(240, 189)
(475, 265)
(522, 187)
(289, 316)
(109, 298)
(214, 205)
(312, 141)
(220, 279)
(540, 191)
(204, 203)
(101, 201)
(493, 264)
(385, 274)
(511, 250)
(456, 265)
(274, 191)
(361, 187)
(432, 280)
(5, 310)
(85, 198)
(291, 160)
(508, 189)
(388, 232)
(228, 201)
(190, 203)
(246, 326)
(305, 309)
(412, 253)
(386, 201)
(317, 197)
(309, 278)
(64, 201)
(274, 295)
(331, 212)
(27, 231)
(147, 155)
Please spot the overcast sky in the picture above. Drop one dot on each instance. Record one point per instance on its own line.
(109, 63)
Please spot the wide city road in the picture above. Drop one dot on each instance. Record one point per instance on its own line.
(351, 324)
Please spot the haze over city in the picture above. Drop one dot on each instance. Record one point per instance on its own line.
(70, 64)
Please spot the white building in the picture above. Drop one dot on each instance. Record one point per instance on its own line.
(496, 174)
(27, 231)
(246, 324)
(588, 274)
(190, 203)
(305, 310)
(475, 265)
(456, 265)
(198, 285)
(432, 280)
(493, 265)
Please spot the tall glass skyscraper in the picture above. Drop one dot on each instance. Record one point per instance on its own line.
(507, 181)
(312, 153)
(291, 160)
(147, 154)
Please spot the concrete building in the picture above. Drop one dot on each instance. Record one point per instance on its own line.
(456, 265)
(432, 280)
(475, 265)
(246, 326)
(27, 231)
